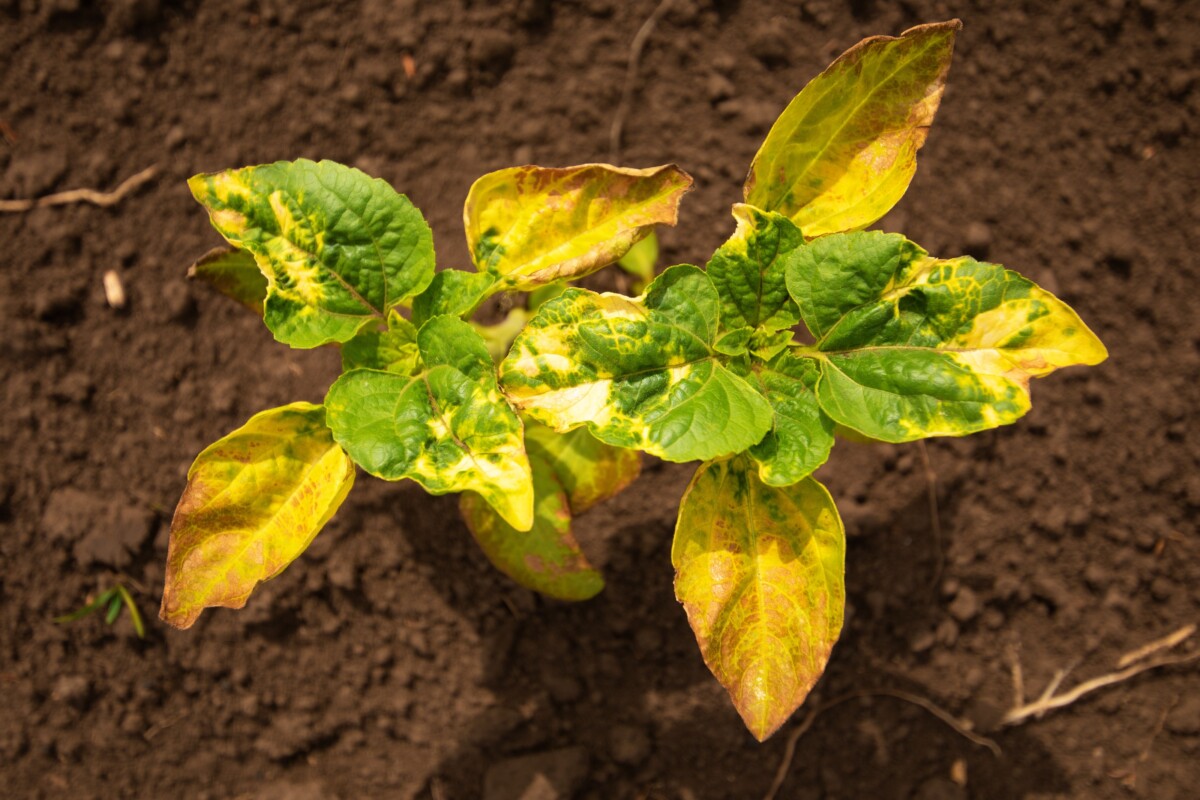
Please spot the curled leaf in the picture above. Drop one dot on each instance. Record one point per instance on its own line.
(535, 225)
(254, 501)
(234, 274)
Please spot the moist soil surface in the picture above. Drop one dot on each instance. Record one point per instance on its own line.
(391, 660)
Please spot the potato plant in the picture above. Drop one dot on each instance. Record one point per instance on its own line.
(801, 327)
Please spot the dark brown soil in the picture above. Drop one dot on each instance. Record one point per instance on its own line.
(391, 660)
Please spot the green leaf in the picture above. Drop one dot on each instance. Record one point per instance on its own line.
(338, 248)
(453, 292)
(639, 373)
(254, 501)
(760, 572)
(640, 260)
(234, 274)
(844, 150)
(750, 271)
(801, 435)
(533, 225)
(589, 470)
(735, 342)
(446, 427)
(391, 350)
(499, 337)
(913, 346)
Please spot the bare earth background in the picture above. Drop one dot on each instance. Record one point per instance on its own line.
(390, 660)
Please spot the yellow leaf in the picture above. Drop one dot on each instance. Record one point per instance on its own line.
(760, 571)
(254, 501)
(534, 225)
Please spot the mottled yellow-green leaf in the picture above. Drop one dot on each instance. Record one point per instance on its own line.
(845, 149)
(534, 225)
(447, 426)
(760, 572)
(234, 274)
(453, 292)
(801, 434)
(546, 558)
(338, 249)
(641, 373)
(589, 470)
(391, 350)
(750, 271)
(254, 501)
(914, 346)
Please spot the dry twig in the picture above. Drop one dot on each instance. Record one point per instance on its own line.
(102, 199)
(1138, 661)
(960, 727)
(635, 56)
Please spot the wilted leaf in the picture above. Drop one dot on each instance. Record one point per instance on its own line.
(750, 271)
(446, 427)
(760, 572)
(338, 248)
(234, 274)
(533, 225)
(639, 373)
(913, 346)
(254, 501)
(844, 150)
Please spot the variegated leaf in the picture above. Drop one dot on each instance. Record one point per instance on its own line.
(338, 248)
(446, 427)
(233, 273)
(760, 572)
(571, 473)
(844, 150)
(917, 346)
(750, 271)
(254, 501)
(639, 373)
(533, 225)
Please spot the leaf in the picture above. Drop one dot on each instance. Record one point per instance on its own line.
(760, 572)
(391, 350)
(452, 292)
(844, 150)
(801, 435)
(254, 501)
(915, 346)
(447, 427)
(589, 470)
(533, 225)
(639, 373)
(546, 558)
(499, 337)
(338, 248)
(234, 274)
(640, 260)
(750, 271)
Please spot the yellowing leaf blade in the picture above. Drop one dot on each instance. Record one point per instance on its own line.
(590, 470)
(546, 558)
(845, 149)
(254, 501)
(760, 573)
(535, 225)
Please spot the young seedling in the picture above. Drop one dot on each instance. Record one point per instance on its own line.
(111, 600)
(703, 366)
